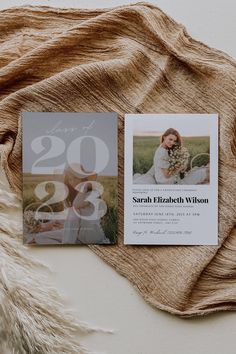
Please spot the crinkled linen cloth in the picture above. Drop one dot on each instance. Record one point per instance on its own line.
(128, 59)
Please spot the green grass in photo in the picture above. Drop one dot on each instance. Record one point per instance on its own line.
(144, 148)
(110, 196)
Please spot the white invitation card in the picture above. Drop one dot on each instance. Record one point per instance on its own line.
(171, 179)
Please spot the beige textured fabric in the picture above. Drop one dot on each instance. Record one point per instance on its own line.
(130, 59)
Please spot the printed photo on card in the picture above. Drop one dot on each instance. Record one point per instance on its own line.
(69, 178)
(171, 179)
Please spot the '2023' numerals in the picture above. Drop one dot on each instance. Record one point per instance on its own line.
(61, 191)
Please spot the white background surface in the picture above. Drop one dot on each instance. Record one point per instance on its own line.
(100, 296)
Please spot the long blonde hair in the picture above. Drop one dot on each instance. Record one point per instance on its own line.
(69, 173)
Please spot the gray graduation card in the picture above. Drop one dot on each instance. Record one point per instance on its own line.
(70, 172)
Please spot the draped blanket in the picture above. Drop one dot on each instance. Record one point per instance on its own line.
(128, 59)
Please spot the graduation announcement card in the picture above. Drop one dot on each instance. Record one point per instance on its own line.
(69, 178)
(171, 179)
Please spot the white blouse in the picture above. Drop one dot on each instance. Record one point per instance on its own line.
(160, 161)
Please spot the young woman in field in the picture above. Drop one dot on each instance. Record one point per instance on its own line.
(86, 227)
(170, 139)
(74, 229)
(160, 172)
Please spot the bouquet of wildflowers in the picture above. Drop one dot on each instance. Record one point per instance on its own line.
(178, 157)
(30, 222)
